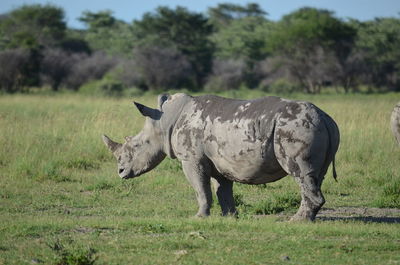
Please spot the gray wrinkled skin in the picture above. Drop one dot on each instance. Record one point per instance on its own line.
(223, 140)
(395, 122)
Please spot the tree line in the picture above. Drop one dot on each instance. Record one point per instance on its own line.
(229, 47)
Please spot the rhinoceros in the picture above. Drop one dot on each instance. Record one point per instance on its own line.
(395, 122)
(227, 140)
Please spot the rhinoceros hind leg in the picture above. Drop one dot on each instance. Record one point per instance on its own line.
(224, 192)
(311, 198)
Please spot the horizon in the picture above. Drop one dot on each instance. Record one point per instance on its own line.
(127, 11)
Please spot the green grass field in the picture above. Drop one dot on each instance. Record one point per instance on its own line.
(62, 202)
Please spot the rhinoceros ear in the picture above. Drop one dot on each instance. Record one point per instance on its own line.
(154, 114)
(161, 100)
(111, 144)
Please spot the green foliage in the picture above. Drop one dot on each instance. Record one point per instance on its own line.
(390, 195)
(276, 204)
(73, 255)
(106, 33)
(315, 49)
(281, 86)
(32, 26)
(181, 29)
(308, 27)
(101, 19)
(82, 163)
(313, 46)
(243, 38)
(224, 14)
(102, 185)
(104, 87)
(379, 40)
(34, 29)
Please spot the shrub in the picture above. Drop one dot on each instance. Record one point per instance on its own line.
(90, 68)
(56, 66)
(103, 87)
(13, 70)
(280, 86)
(162, 68)
(390, 195)
(128, 73)
(226, 75)
(277, 204)
(76, 255)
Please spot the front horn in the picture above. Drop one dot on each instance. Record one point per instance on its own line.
(110, 143)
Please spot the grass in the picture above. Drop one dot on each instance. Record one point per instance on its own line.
(61, 201)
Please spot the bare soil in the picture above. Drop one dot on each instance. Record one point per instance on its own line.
(376, 215)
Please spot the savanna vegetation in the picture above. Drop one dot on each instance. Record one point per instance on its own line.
(62, 202)
(229, 47)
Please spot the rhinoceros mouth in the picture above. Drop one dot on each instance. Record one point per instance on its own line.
(127, 174)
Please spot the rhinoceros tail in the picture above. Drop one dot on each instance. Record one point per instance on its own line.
(334, 138)
(334, 169)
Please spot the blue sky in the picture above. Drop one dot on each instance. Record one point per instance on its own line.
(133, 9)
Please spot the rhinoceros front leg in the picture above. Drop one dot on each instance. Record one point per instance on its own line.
(199, 178)
(224, 190)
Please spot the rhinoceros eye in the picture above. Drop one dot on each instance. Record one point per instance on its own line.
(119, 158)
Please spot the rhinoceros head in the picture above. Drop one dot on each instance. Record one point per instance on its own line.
(144, 151)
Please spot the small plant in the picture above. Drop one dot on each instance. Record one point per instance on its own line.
(390, 195)
(277, 204)
(76, 255)
(154, 229)
(82, 163)
(238, 198)
(52, 171)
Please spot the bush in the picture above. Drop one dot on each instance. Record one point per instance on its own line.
(73, 255)
(13, 70)
(280, 86)
(226, 75)
(56, 66)
(162, 68)
(104, 87)
(90, 68)
(128, 73)
(277, 204)
(390, 195)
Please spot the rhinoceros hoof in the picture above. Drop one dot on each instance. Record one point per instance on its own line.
(303, 216)
(201, 215)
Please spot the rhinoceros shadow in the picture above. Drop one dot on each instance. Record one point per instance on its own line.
(362, 214)
(365, 219)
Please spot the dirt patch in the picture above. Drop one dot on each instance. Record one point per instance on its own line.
(365, 214)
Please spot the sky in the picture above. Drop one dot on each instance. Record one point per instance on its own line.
(129, 10)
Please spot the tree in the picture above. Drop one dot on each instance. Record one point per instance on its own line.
(227, 75)
(163, 67)
(106, 33)
(101, 19)
(179, 29)
(311, 43)
(56, 66)
(225, 13)
(13, 70)
(244, 38)
(378, 41)
(32, 26)
(88, 68)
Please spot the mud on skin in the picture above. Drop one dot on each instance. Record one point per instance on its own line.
(227, 140)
